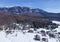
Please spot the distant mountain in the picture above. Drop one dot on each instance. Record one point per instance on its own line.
(18, 9)
(33, 12)
(25, 14)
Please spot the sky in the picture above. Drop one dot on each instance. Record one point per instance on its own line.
(47, 5)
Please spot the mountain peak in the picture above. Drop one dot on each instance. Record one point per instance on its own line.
(18, 9)
(32, 12)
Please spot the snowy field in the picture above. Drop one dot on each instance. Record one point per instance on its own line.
(57, 22)
(19, 36)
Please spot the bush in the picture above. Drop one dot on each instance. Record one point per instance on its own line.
(51, 35)
(37, 37)
(43, 39)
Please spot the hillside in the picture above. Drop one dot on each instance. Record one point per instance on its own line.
(19, 14)
(31, 12)
(8, 18)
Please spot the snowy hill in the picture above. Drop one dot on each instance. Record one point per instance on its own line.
(18, 36)
(30, 35)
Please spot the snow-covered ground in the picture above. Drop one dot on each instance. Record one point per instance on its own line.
(57, 22)
(19, 36)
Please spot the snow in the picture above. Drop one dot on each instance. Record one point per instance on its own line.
(27, 37)
(57, 22)
(2, 37)
(19, 36)
(52, 40)
(58, 29)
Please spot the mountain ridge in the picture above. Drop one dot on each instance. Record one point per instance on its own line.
(29, 11)
(14, 14)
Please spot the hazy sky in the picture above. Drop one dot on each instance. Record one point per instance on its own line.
(47, 5)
